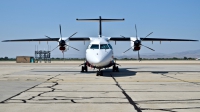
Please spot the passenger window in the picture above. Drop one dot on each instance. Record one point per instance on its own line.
(94, 46)
(104, 46)
(110, 46)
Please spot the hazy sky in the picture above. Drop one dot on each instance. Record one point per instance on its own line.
(23, 19)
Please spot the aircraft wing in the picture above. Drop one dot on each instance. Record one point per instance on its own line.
(165, 39)
(79, 39)
(25, 40)
(148, 39)
(48, 39)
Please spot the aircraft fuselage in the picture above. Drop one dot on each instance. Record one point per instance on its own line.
(99, 53)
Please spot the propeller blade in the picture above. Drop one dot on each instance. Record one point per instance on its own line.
(54, 48)
(71, 36)
(147, 47)
(47, 36)
(63, 56)
(60, 32)
(127, 50)
(139, 56)
(122, 36)
(72, 47)
(136, 31)
(148, 35)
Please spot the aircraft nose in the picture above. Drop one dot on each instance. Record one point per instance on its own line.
(99, 59)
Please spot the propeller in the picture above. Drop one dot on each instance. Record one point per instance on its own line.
(137, 43)
(147, 36)
(122, 36)
(63, 56)
(60, 32)
(139, 56)
(72, 47)
(136, 31)
(71, 36)
(62, 43)
(147, 47)
(127, 50)
(47, 36)
(54, 48)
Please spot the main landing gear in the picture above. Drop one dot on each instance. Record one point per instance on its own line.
(115, 68)
(84, 68)
(99, 73)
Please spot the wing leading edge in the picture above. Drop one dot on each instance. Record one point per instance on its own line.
(87, 39)
(25, 40)
(79, 39)
(48, 39)
(149, 39)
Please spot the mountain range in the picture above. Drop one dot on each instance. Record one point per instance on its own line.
(191, 53)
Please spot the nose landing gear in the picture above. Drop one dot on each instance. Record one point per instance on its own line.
(99, 73)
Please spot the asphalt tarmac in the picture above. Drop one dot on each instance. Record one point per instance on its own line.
(147, 86)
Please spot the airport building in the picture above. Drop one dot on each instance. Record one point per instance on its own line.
(25, 59)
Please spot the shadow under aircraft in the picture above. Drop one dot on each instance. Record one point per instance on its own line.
(124, 72)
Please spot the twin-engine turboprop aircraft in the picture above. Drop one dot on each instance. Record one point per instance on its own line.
(99, 53)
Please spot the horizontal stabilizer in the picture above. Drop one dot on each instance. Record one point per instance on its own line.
(102, 20)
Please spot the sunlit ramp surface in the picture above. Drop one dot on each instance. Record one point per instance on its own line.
(136, 88)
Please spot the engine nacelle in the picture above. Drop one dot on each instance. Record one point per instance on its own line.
(63, 44)
(135, 46)
(62, 48)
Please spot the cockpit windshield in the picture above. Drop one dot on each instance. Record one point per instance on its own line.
(110, 46)
(104, 46)
(94, 46)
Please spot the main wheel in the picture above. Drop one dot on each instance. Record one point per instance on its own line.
(101, 73)
(98, 73)
(82, 69)
(86, 69)
(117, 69)
(113, 69)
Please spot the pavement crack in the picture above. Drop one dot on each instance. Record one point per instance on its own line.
(24, 101)
(32, 98)
(126, 95)
(180, 79)
(172, 109)
(73, 101)
(32, 88)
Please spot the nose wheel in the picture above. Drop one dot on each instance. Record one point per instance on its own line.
(99, 73)
(115, 68)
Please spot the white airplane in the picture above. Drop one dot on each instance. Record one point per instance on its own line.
(99, 53)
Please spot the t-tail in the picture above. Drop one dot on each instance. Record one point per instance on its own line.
(100, 20)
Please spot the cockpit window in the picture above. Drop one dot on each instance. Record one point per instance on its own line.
(110, 46)
(104, 46)
(94, 46)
